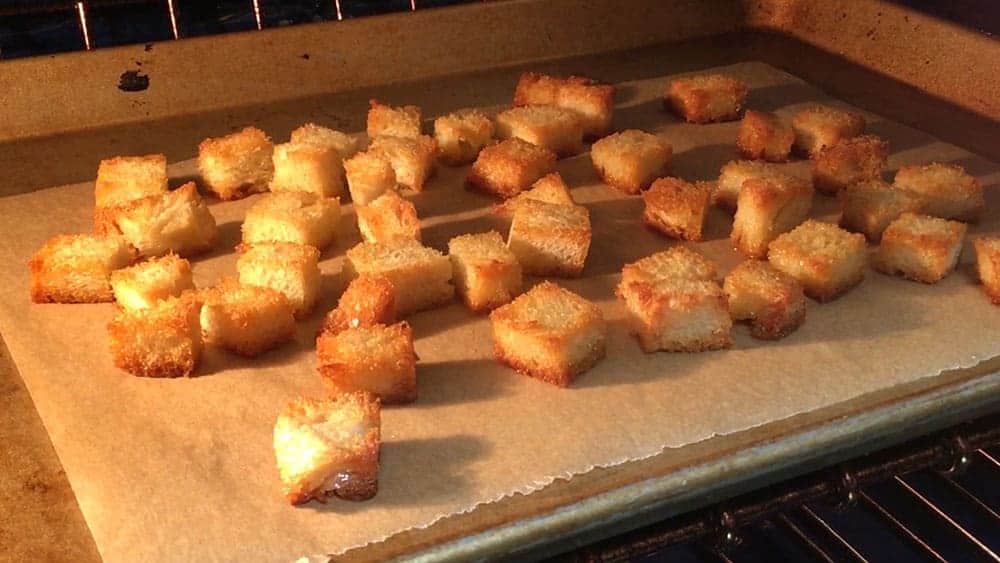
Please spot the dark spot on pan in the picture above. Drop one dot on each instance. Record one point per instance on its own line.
(305, 56)
(148, 47)
(133, 81)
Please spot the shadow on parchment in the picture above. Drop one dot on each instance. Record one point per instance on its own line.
(461, 381)
(438, 234)
(702, 162)
(229, 235)
(773, 98)
(643, 115)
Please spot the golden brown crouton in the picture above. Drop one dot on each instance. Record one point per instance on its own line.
(292, 269)
(329, 447)
(630, 160)
(486, 272)
(298, 217)
(142, 285)
(706, 98)
(378, 359)
(677, 208)
(368, 300)
(308, 168)
(460, 135)
(849, 161)
(826, 260)
(369, 175)
(246, 319)
(766, 208)
(550, 239)
(124, 179)
(506, 168)
(412, 159)
(549, 333)
(920, 247)
(421, 276)
(77, 268)
(388, 217)
(988, 265)
(557, 129)
(178, 221)
(534, 89)
(944, 190)
(393, 121)
(869, 206)
(162, 340)
(771, 300)
(734, 173)
(550, 188)
(592, 101)
(675, 262)
(238, 164)
(312, 134)
(823, 126)
(762, 135)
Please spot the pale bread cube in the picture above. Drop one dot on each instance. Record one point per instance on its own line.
(311, 134)
(849, 161)
(944, 190)
(988, 265)
(412, 159)
(329, 447)
(550, 188)
(549, 333)
(123, 179)
(920, 247)
(550, 239)
(297, 217)
(236, 165)
(142, 285)
(308, 168)
(734, 173)
(369, 175)
(378, 359)
(162, 340)
(630, 160)
(420, 276)
(368, 300)
(706, 98)
(869, 206)
(178, 221)
(677, 208)
(77, 268)
(822, 126)
(460, 135)
(246, 319)
(675, 262)
(486, 272)
(292, 269)
(557, 129)
(772, 301)
(387, 218)
(592, 101)
(763, 136)
(766, 208)
(507, 168)
(826, 259)
(401, 121)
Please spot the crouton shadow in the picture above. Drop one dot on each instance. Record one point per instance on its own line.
(215, 361)
(227, 238)
(900, 137)
(978, 166)
(461, 382)
(702, 162)
(434, 321)
(646, 115)
(619, 236)
(178, 181)
(773, 98)
(438, 234)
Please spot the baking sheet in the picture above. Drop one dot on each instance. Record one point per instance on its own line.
(183, 469)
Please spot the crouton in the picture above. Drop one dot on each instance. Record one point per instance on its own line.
(378, 359)
(920, 247)
(988, 265)
(401, 121)
(550, 188)
(178, 221)
(734, 173)
(766, 208)
(762, 135)
(311, 134)
(550, 239)
(367, 301)
(549, 333)
(630, 160)
(557, 129)
(420, 276)
(161, 340)
(292, 269)
(706, 98)
(675, 262)
(677, 208)
(849, 161)
(298, 217)
(308, 168)
(412, 159)
(388, 217)
(460, 135)
(485, 271)
(236, 165)
(822, 126)
(77, 268)
(944, 190)
(329, 447)
(534, 89)
(142, 285)
(506, 168)
(592, 101)
(369, 175)
(826, 259)
(772, 301)
(124, 179)
(246, 319)
(870, 205)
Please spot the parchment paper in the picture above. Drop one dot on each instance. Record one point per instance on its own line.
(184, 470)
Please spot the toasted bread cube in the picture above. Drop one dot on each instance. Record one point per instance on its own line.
(870, 205)
(329, 447)
(369, 175)
(378, 359)
(677, 315)
(308, 168)
(412, 159)
(238, 164)
(486, 272)
(550, 188)
(676, 262)
(178, 221)
(677, 208)
(826, 259)
(762, 135)
(460, 135)
(766, 208)
(292, 269)
(822, 126)
(368, 300)
(77, 268)
(549, 333)
(944, 190)
(388, 217)
(420, 276)
(706, 98)
(401, 121)
(506, 168)
(592, 101)
(630, 160)
(534, 89)
(298, 217)
(988, 265)
(161, 340)
(557, 129)
(311, 134)
(849, 161)
(142, 285)
(550, 239)
(773, 301)
(246, 319)
(920, 247)
(734, 173)
(123, 179)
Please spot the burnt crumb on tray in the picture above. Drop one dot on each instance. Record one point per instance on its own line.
(133, 81)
